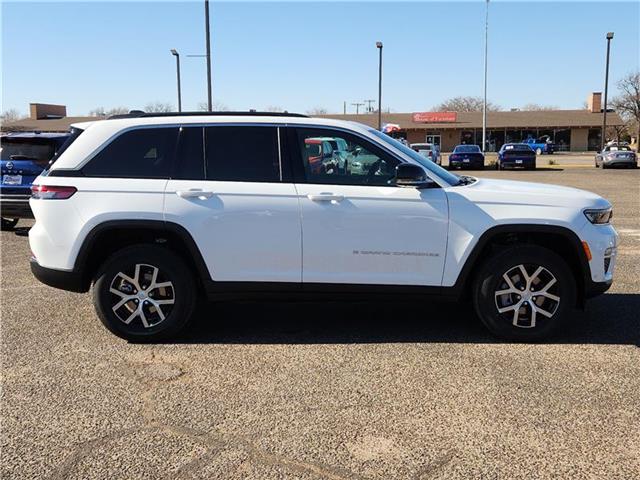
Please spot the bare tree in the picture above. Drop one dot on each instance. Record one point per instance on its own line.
(531, 107)
(465, 104)
(10, 115)
(158, 107)
(216, 106)
(273, 108)
(101, 112)
(627, 102)
(317, 111)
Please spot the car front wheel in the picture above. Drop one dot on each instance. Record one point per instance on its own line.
(144, 293)
(524, 293)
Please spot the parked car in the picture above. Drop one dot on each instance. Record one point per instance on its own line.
(542, 145)
(23, 156)
(467, 156)
(153, 211)
(616, 155)
(516, 155)
(428, 150)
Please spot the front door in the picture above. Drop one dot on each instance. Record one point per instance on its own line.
(357, 227)
(434, 139)
(228, 191)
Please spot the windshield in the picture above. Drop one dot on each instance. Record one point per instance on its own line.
(440, 172)
(38, 149)
(466, 149)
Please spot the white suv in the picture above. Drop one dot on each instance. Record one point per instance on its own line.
(157, 210)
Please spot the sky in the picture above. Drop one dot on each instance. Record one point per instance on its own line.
(303, 55)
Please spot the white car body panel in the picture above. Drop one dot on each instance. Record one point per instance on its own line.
(373, 235)
(245, 231)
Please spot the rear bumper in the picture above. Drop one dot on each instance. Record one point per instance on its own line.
(513, 164)
(622, 162)
(15, 206)
(65, 280)
(469, 164)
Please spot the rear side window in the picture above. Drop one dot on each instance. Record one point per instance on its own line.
(242, 154)
(139, 153)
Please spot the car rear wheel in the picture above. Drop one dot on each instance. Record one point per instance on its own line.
(9, 223)
(144, 293)
(524, 293)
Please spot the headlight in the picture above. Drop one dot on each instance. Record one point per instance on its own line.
(599, 216)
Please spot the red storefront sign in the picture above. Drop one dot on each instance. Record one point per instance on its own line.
(435, 117)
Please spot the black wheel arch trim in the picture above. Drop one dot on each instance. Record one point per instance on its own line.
(159, 226)
(473, 260)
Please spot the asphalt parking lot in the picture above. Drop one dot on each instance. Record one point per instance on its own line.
(310, 391)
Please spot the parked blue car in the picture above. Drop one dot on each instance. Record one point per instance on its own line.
(466, 156)
(23, 156)
(540, 146)
(516, 155)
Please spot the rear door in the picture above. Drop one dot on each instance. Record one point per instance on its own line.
(229, 192)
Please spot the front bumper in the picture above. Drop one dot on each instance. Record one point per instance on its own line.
(71, 281)
(15, 206)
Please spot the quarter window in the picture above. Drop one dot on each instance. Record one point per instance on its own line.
(332, 157)
(140, 153)
(242, 154)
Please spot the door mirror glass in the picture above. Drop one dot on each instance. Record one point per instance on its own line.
(413, 176)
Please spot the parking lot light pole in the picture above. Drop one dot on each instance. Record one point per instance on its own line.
(208, 40)
(175, 53)
(379, 47)
(606, 91)
(484, 103)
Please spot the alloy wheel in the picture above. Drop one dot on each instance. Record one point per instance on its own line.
(525, 294)
(143, 295)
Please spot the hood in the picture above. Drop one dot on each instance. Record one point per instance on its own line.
(511, 192)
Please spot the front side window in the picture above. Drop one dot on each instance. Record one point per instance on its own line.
(242, 154)
(138, 153)
(333, 157)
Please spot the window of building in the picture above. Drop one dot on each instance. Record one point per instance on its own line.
(594, 139)
(562, 139)
(139, 153)
(242, 154)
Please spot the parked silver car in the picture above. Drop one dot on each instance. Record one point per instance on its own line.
(616, 155)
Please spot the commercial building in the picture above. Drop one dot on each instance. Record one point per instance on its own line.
(570, 130)
(45, 117)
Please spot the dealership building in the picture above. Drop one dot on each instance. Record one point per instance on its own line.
(570, 130)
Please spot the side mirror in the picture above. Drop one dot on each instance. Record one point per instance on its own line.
(412, 176)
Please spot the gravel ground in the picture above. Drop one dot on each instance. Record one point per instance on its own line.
(311, 391)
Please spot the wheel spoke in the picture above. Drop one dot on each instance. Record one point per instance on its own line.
(132, 316)
(550, 296)
(548, 285)
(154, 277)
(168, 301)
(535, 275)
(119, 293)
(122, 302)
(499, 293)
(534, 311)
(161, 285)
(143, 318)
(526, 276)
(509, 282)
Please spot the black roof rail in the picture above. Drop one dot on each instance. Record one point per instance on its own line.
(251, 113)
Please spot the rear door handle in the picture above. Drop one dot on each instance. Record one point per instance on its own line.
(194, 193)
(325, 197)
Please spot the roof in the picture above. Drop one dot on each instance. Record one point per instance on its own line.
(517, 119)
(45, 125)
(37, 134)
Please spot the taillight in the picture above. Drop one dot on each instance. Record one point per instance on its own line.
(52, 192)
(430, 154)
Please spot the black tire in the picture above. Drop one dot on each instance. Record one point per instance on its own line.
(604, 165)
(170, 269)
(524, 326)
(9, 223)
(538, 151)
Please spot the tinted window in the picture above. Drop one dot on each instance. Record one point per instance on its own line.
(140, 153)
(466, 149)
(242, 154)
(356, 162)
(190, 156)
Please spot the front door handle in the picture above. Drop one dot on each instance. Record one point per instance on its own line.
(325, 197)
(194, 193)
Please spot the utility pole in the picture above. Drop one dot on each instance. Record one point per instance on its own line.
(344, 107)
(369, 107)
(357, 105)
(208, 40)
(606, 90)
(175, 53)
(484, 104)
